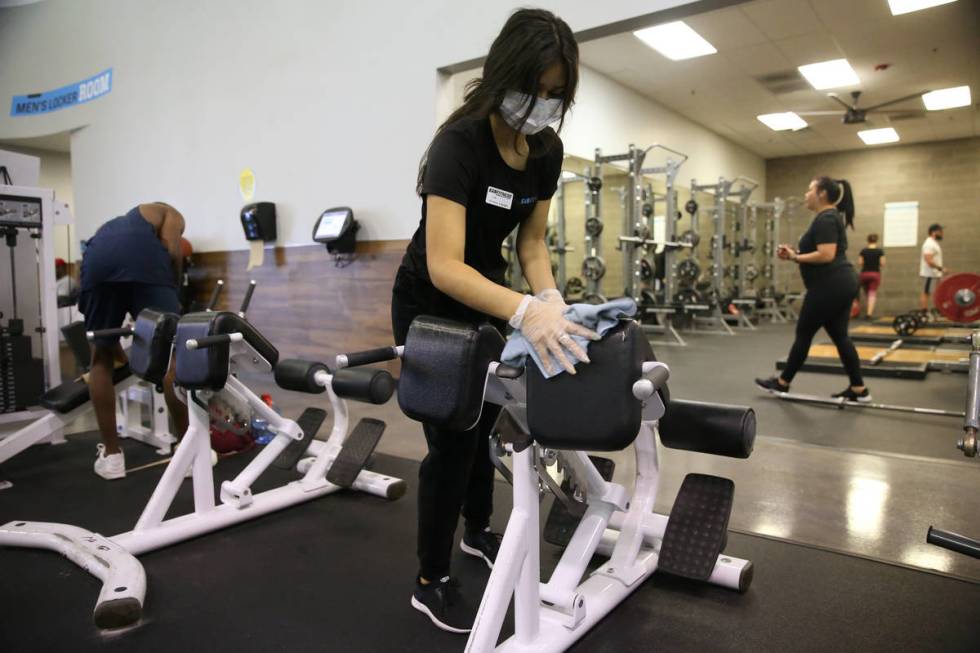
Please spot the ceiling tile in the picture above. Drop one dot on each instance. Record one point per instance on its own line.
(779, 19)
(809, 48)
(727, 29)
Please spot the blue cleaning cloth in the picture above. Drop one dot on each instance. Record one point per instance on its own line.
(598, 317)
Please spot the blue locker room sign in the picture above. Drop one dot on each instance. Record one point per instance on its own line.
(62, 98)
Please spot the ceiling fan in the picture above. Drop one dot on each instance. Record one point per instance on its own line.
(854, 115)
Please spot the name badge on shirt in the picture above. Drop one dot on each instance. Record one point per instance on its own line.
(498, 197)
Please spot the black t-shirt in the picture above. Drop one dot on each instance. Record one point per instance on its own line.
(827, 227)
(872, 259)
(465, 166)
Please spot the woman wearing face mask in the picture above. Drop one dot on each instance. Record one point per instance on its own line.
(492, 166)
(831, 285)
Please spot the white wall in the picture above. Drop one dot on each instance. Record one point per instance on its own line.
(330, 103)
(611, 116)
(55, 173)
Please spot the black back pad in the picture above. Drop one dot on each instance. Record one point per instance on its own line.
(207, 368)
(153, 337)
(444, 371)
(593, 410)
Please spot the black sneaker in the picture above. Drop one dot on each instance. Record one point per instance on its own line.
(481, 544)
(849, 395)
(443, 603)
(771, 384)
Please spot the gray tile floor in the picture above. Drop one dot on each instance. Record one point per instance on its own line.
(861, 482)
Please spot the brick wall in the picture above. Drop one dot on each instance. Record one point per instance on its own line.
(943, 176)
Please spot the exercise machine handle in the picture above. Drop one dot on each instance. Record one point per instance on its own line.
(109, 333)
(210, 341)
(215, 294)
(368, 357)
(248, 298)
(953, 542)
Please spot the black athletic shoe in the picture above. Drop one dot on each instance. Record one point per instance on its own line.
(849, 395)
(482, 544)
(771, 384)
(443, 603)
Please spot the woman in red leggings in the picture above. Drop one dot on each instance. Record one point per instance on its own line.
(872, 259)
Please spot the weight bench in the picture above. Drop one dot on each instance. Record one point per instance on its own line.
(620, 399)
(210, 349)
(149, 359)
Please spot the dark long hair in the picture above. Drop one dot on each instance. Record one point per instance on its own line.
(840, 195)
(531, 41)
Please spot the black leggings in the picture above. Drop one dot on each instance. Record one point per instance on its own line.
(827, 305)
(456, 474)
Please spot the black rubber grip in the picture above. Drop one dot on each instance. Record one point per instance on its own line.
(248, 298)
(364, 384)
(299, 375)
(717, 429)
(215, 294)
(208, 341)
(953, 542)
(358, 358)
(508, 372)
(110, 333)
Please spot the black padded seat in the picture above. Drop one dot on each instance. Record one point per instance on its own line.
(70, 395)
(207, 368)
(593, 410)
(444, 371)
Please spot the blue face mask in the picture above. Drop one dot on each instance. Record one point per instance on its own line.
(544, 113)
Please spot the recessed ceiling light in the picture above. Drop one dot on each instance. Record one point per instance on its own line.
(782, 121)
(878, 136)
(830, 74)
(908, 6)
(947, 98)
(675, 41)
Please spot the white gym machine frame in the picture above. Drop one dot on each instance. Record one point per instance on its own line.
(113, 559)
(551, 616)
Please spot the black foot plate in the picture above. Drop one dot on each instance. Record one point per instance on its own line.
(698, 526)
(354, 454)
(309, 422)
(561, 523)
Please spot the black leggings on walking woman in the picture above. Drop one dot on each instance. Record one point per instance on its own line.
(827, 305)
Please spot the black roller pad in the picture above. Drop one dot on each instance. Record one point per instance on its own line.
(309, 422)
(358, 447)
(561, 523)
(698, 526)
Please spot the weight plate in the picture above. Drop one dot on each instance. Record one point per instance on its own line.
(905, 324)
(687, 296)
(958, 297)
(690, 238)
(647, 210)
(646, 270)
(593, 268)
(594, 184)
(688, 270)
(751, 272)
(574, 287)
(593, 227)
(594, 298)
(691, 207)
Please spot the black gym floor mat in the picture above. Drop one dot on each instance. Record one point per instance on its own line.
(336, 574)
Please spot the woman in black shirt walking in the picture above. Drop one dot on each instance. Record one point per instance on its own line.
(493, 165)
(872, 259)
(831, 286)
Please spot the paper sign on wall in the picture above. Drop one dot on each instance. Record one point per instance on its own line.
(659, 231)
(901, 224)
(246, 184)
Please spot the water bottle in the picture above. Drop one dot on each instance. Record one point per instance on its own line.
(261, 432)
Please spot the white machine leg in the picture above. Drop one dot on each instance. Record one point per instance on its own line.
(31, 434)
(123, 579)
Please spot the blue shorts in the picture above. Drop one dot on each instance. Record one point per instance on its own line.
(105, 306)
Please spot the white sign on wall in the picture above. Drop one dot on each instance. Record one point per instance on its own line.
(901, 224)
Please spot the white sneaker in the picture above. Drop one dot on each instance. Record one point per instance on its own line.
(109, 467)
(214, 461)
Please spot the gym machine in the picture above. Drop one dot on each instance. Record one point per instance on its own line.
(557, 238)
(968, 445)
(719, 294)
(770, 295)
(619, 400)
(593, 265)
(30, 361)
(211, 348)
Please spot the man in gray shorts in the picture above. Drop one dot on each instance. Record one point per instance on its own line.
(931, 264)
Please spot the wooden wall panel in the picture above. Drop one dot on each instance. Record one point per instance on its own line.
(305, 305)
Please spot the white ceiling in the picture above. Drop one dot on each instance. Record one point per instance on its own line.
(925, 50)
